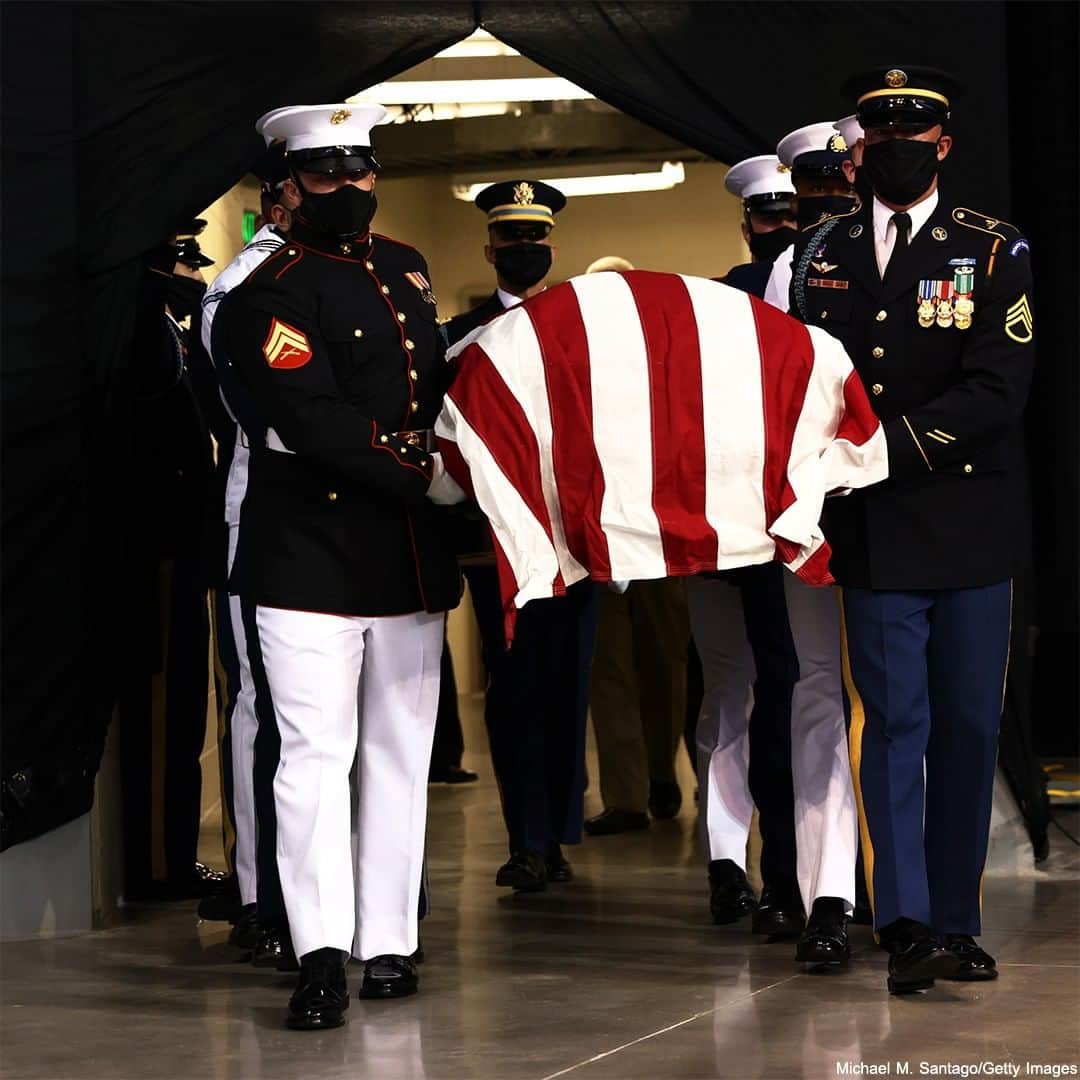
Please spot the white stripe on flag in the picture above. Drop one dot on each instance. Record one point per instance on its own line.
(622, 425)
(734, 422)
(514, 350)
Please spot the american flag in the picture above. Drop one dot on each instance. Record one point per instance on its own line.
(627, 426)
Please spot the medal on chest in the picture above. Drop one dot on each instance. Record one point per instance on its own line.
(963, 287)
(950, 302)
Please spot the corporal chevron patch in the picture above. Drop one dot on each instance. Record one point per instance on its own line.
(1019, 321)
(286, 347)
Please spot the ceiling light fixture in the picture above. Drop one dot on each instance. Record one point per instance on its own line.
(473, 91)
(670, 174)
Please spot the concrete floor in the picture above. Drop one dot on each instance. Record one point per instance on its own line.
(619, 975)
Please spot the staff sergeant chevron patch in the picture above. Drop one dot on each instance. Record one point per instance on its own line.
(1019, 321)
(286, 347)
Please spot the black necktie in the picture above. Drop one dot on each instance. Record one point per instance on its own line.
(902, 223)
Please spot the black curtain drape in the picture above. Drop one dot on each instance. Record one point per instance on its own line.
(119, 119)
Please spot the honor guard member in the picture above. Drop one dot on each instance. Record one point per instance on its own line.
(345, 555)
(537, 696)
(932, 300)
(262, 928)
(763, 183)
(819, 157)
(771, 733)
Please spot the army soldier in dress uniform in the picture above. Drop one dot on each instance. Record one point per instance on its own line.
(537, 697)
(345, 555)
(933, 302)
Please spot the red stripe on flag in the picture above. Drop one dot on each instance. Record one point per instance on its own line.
(564, 349)
(859, 422)
(673, 355)
(455, 465)
(500, 423)
(787, 359)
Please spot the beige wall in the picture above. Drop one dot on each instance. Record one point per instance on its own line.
(691, 229)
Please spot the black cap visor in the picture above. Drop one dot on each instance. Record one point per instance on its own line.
(190, 254)
(769, 202)
(520, 231)
(890, 111)
(332, 160)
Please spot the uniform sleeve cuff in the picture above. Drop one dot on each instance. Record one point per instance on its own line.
(907, 456)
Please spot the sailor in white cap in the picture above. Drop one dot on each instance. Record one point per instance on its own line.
(343, 549)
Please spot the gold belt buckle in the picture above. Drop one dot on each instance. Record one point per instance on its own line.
(411, 437)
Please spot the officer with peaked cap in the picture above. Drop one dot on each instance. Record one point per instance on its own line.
(343, 550)
(537, 697)
(816, 155)
(932, 301)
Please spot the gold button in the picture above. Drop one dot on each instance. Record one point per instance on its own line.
(358, 332)
(414, 374)
(332, 496)
(401, 316)
(968, 469)
(824, 315)
(292, 251)
(382, 438)
(370, 265)
(385, 290)
(414, 405)
(879, 352)
(423, 462)
(410, 344)
(404, 449)
(960, 214)
(346, 248)
(882, 315)
(877, 388)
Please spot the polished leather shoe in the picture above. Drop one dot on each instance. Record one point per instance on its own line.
(246, 930)
(389, 977)
(665, 799)
(221, 901)
(558, 867)
(779, 913)
(730, 895)
(452, 774)
(274, 949)
(613, 821)
(825, 939)
(976, 964)
(914, 964)
(321, 996)
(524, 871)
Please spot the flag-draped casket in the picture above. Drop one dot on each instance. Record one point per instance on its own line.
(626, 426)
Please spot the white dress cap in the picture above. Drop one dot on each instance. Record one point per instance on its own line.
(850, 128)
(307, 127)
(814, 137)
(761, 175)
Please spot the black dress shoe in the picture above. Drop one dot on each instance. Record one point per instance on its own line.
(321, 996)
(524, 871)
(246, 930)
(730, 895)
(452, 774)
(613, 821)
(914, 964)
(665, 799)
(221, 901)
(389, 977)
(976, 964)
(825, 940)
(779, 913)
(274, 949)
(558, 868)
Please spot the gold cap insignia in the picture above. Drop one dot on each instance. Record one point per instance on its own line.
(895, 78)
(523, 194)
(782, 168)
(340, 116)
(837, 144)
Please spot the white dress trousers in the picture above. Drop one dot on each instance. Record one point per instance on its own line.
(347, 689)
(825, 816)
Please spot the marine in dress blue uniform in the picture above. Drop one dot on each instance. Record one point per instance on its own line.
(933, 301)
(537, 697)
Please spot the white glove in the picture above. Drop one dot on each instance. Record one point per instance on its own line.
(443, 489)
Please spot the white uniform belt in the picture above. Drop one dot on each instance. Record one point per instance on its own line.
(273, 442)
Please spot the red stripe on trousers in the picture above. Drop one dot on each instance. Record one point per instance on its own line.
(564, 350)
(673, 356)
(500, 423)
(787, 359)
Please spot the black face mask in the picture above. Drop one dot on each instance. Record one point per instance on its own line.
(765, 246)
(900, 170)
(815, 208)
(523, 265)
(344, 214)
(184, 296)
